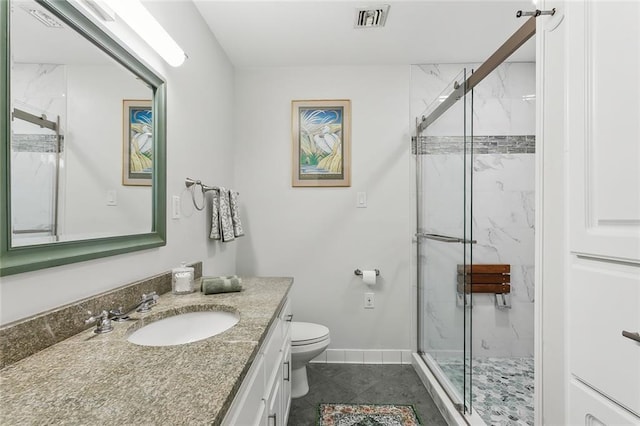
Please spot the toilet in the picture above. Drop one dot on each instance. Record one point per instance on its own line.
(308, 340)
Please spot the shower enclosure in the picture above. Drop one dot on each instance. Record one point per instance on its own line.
(474, 213)
(36, 149)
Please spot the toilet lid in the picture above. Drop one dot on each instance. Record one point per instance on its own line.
(306, 333)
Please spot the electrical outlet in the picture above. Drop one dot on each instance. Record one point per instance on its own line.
(369, 301)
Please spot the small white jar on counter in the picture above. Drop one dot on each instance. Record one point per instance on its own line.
(182, 279)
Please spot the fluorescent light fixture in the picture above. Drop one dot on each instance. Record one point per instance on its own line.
(136, 16)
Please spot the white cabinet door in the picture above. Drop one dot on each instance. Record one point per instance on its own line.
(274, 405)
(603, 127)
(264, 397)
(261, 418)
(248, 406)
(603, 131)
(592, 409)
(286, 382)
(605, 300)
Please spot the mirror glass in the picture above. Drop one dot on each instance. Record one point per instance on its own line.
(83, 125)
(81, 135)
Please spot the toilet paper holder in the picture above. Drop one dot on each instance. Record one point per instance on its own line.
(359, 272)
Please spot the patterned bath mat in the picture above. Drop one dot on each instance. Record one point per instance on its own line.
(367, 415)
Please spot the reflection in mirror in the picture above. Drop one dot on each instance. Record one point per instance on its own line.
(80, 158)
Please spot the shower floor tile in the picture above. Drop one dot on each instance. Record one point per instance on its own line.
(502, 388)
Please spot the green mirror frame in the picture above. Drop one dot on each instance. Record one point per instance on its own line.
(14, 260)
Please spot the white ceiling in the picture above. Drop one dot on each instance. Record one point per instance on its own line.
(34, 42)
(316, 33)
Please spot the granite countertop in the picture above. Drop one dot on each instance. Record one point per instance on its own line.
(103, 379)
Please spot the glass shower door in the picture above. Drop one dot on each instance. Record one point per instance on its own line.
(35, 172)
(443, 163)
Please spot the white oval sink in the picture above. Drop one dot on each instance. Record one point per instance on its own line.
(184, 328)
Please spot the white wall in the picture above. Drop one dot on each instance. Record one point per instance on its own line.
(199, 144)
(317, 235)
(551, 363)
(93, 154)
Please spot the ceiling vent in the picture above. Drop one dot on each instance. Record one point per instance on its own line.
(45, 18)
(372, 17)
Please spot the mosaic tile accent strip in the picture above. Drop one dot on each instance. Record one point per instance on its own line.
(36, 143)
(519, 144)
(366, 415)
(502, 388)
(25, 337)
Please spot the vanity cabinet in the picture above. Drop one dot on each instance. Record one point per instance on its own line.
(264, 397)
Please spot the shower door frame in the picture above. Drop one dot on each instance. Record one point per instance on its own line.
(463, 403)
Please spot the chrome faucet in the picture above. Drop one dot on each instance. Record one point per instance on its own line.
(104, 320)
(144, 305)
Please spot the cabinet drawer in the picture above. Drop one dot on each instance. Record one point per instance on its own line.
(589, 408)
(605, 300)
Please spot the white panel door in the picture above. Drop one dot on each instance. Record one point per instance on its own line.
(603, 82)
(603, 131)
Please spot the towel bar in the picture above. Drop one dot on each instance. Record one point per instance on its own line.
(188, 182)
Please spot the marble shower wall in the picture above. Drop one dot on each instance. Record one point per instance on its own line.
(503, 207)
(504, 102)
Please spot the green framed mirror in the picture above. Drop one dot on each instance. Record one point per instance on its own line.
(83, 147)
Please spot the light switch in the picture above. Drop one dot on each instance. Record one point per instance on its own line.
(361, 200)
(175, 207)
(112, 197)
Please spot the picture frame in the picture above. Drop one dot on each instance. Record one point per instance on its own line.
(321, 135)
(137, 142)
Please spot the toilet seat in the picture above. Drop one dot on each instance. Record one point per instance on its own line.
(306, 333)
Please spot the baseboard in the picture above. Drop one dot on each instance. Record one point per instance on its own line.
(364, 356)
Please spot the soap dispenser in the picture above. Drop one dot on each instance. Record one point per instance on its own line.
(182, 281)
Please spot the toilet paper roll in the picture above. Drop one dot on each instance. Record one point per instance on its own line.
(369, 277)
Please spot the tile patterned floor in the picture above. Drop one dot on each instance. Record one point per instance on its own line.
(502, 388)
(356, 383)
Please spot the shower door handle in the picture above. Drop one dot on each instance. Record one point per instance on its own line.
(444, 238)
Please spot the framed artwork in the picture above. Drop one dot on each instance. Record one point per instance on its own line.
(137, 142)
(321, 133)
